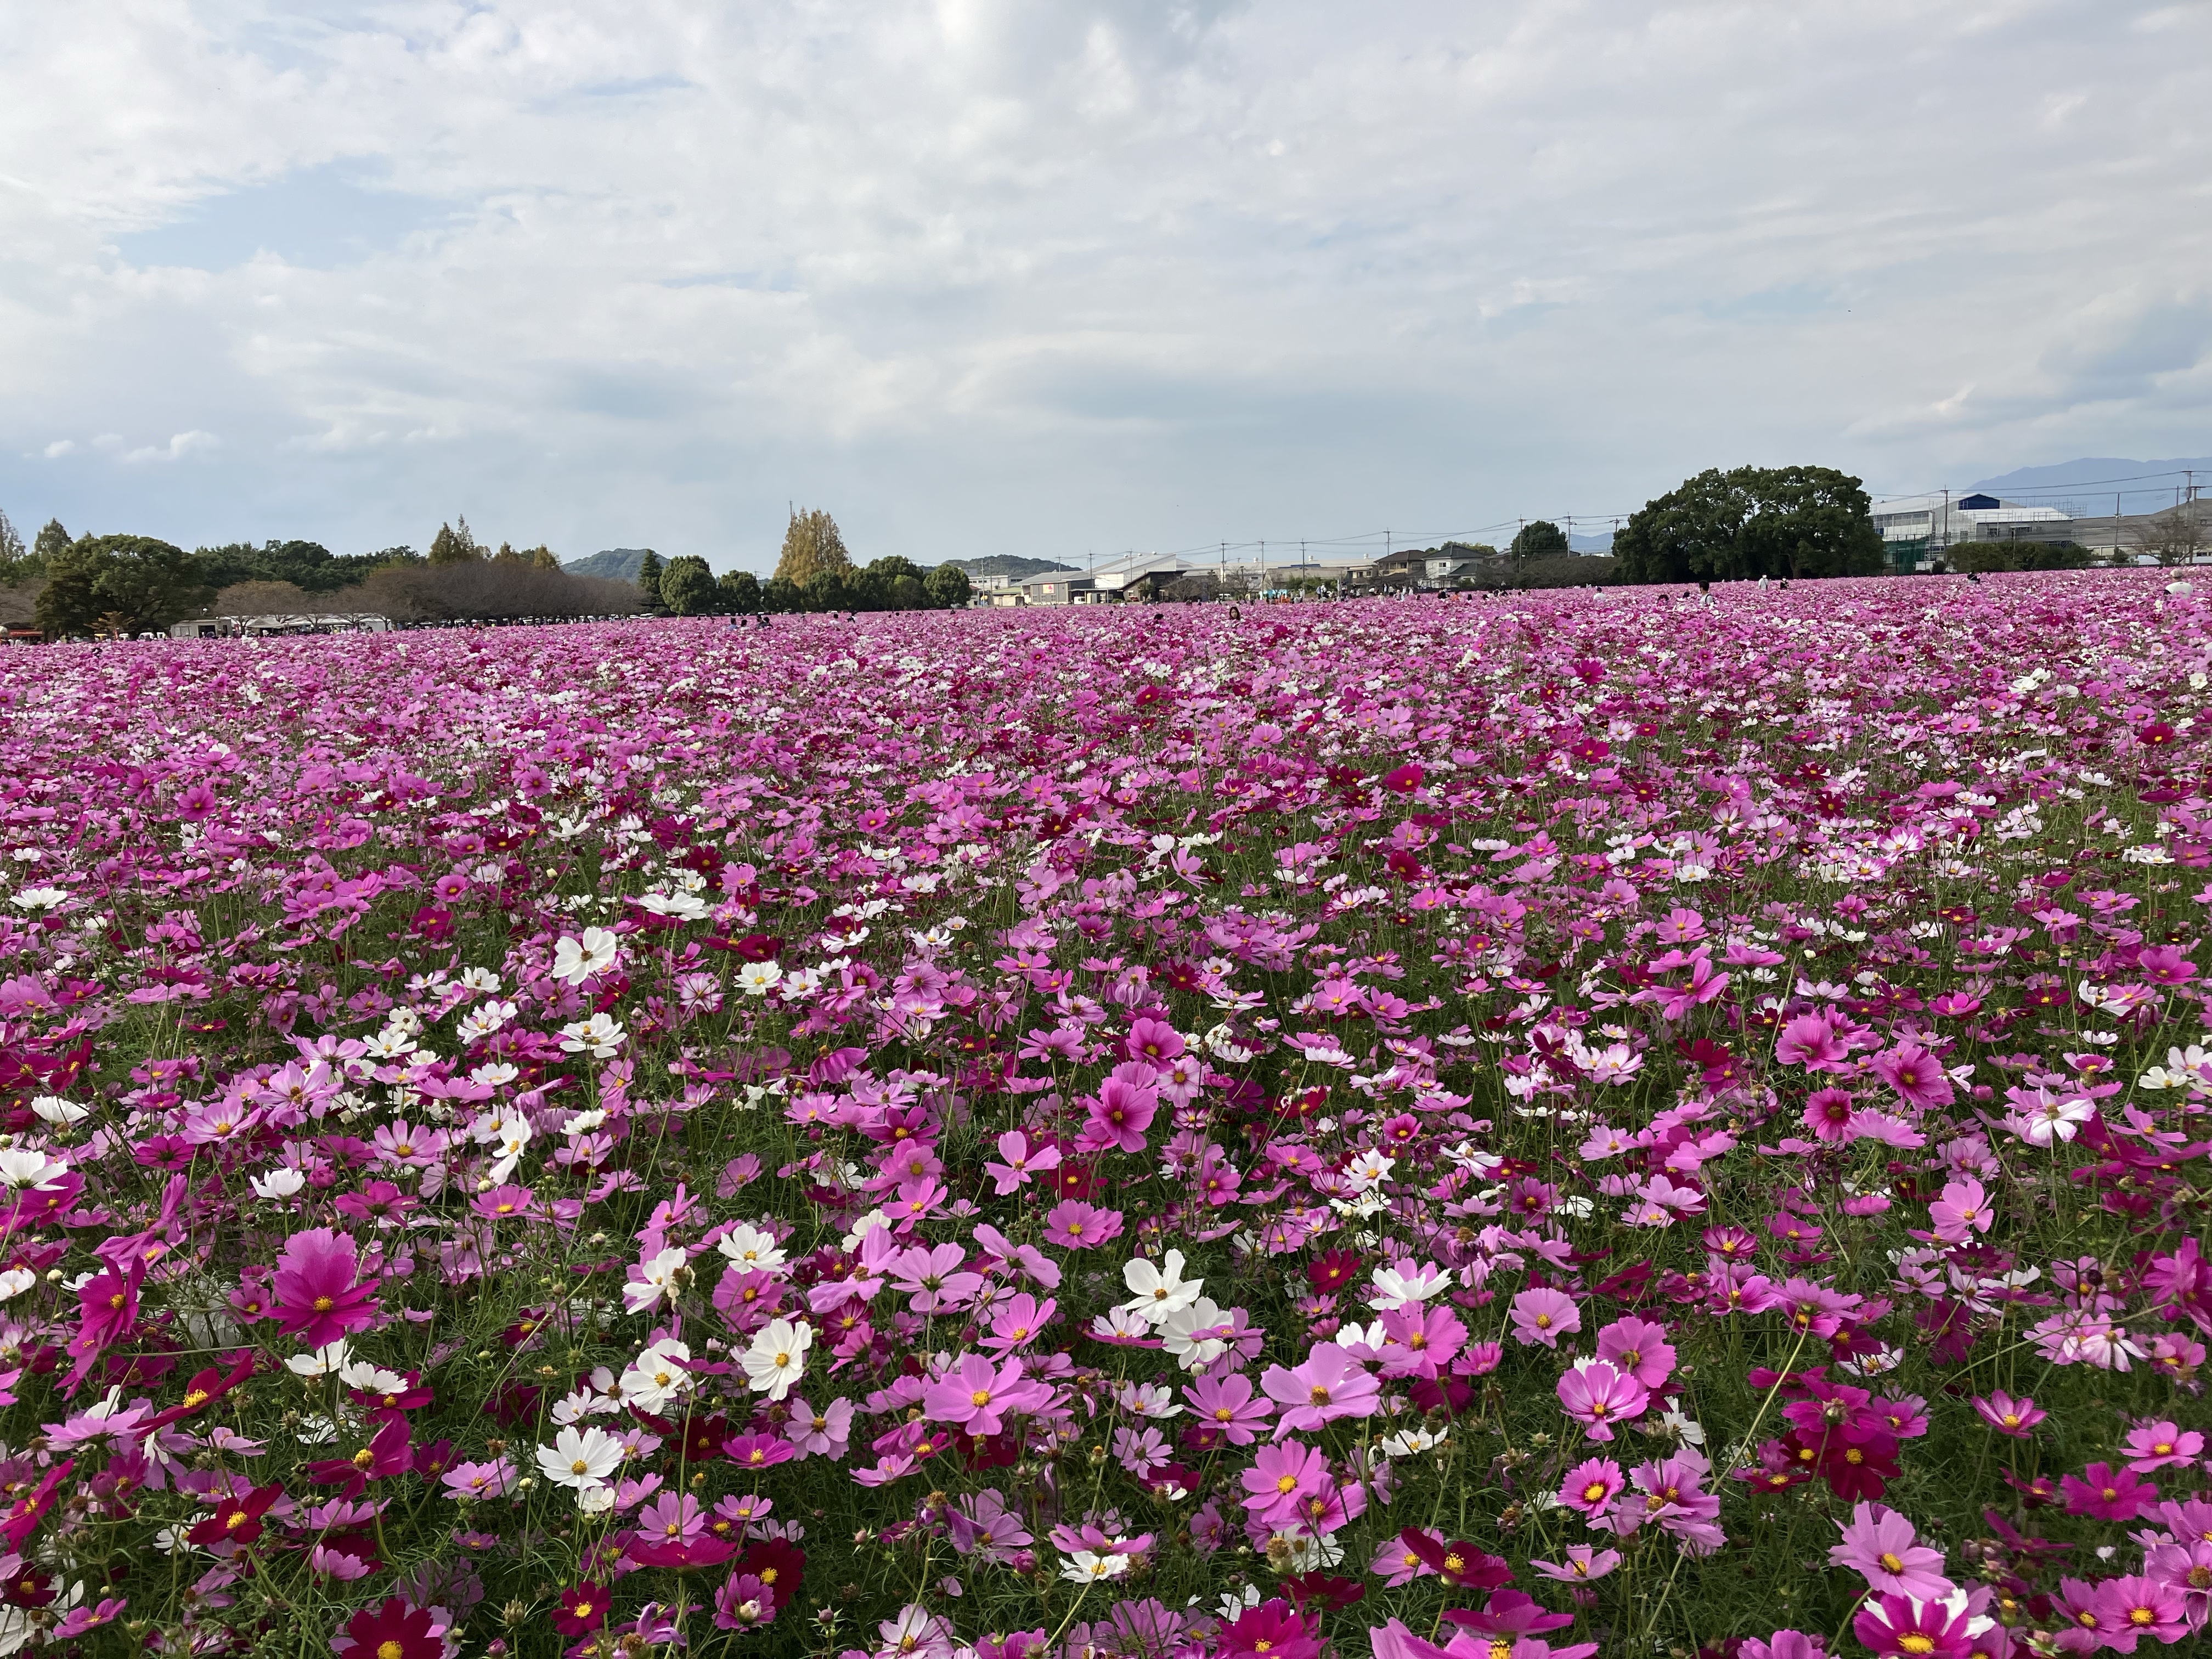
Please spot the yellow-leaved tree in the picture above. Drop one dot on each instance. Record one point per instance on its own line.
(813, 552)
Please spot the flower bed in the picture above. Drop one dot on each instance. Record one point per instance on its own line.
(1598, 1123)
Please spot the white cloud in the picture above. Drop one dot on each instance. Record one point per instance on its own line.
(1021, 275)
(183, 444)
(59, 447)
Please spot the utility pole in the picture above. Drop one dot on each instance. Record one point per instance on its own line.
(1263, 570)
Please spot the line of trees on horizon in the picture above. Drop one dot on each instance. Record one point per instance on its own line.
(84, 587)
(813, 572)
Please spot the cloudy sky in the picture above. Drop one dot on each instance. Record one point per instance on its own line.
(1061, 277)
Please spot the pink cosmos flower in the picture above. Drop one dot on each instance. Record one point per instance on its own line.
(1018, 1321)
(1544, 1315)
(1638, 1346)
(1784, 1644)
(1019, 1162)
(2161, 1444)
(1227, 1405)
(1881, 1546)
(1071, 1225)
(1330, 1384)
(1592, 1485)
(1597, 1397)
(2135, 1608)
(2006, 1415)
(1418, 1340)
(317, 1299)
(1279, 1476)
(1961, 1211)
(819, 1434)
(1811, 1040)
(978, 1396)
(1584, 1564)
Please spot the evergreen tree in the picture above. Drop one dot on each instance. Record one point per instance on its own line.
(813, 552)
(687, 586)
(948, 588)
(51, 540)
(14, 562)
(741, 593)
(649, 572)
(541, 558)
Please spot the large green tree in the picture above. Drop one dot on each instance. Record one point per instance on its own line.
(687, 586)
(650, 569)
(948, 586)
(14, 562)
(118, 584)
(741, 592)
(1753, 522)
(1539, 539)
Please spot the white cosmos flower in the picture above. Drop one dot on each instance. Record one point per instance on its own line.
(481, 980)
(654, 1379)
(1398, 1286)
(598, 1036)
(576, 960)
(1088, 1567)
(40, 898)
(56, 1110)
(16, 1281)
(277, 1185)
(1196, 1335)
(688, 906)
(332, 1357)
(26, 1166)
(758, 978)
(370, 1379)
(580, 1458)
(1157, 1291)
(777, 1358)
(646, 1290)
(749, 1247)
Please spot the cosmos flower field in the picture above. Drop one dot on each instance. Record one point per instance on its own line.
(1588, 1123)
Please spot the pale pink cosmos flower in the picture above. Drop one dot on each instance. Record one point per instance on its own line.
(1544, 1315)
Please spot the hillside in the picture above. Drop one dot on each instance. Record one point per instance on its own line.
(617, 564)
(1008, 564)
(2090, 485)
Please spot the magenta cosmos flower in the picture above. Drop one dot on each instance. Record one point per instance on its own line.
(2006, 1415)
(1898, 1627)
(1916, 1075)
(317, 1299)
(979, 1396)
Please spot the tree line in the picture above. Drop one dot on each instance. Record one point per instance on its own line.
(814, 572)
(117, 585)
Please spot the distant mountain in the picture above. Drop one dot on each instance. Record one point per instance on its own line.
(618, 564)
(1007, 564)
(1600, 543)
(2087, 487)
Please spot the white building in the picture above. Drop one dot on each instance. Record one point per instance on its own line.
(1918, 530)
